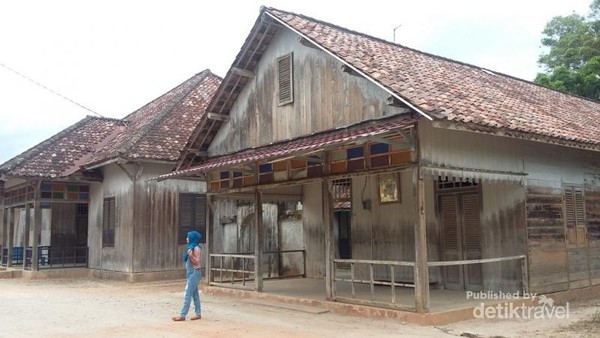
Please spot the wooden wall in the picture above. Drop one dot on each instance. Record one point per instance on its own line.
(324, 98)
(592, 217)
(503, 234)
(146, 226)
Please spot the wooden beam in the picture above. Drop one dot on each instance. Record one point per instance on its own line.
(218, 117)
(421, 270)
(37, 229)
(258, 241)
(26, 233)
(10, 235)
(208, 234)
(198, 152)
(326, 187)
(243, 72)
(407, 144)
(306, 43)
(350, 71)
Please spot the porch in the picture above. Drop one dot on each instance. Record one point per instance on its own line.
(308, 294)
(48, 257)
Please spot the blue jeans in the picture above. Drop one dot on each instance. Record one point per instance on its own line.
(191, 290)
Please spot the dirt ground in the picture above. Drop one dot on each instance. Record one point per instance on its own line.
(100, 308)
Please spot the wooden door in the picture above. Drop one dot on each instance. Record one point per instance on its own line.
(471, 226)
(461, 240)
(452, 242)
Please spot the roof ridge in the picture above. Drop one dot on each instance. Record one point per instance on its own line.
(156, 121)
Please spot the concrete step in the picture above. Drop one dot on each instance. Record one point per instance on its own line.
(287, 306)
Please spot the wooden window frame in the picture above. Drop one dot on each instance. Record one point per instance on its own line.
(574, 219)
(196, 224)
(109, 221)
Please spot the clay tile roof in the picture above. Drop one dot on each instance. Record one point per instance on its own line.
(453, 91)
(300, 145)
(160, 129)
(63, 153)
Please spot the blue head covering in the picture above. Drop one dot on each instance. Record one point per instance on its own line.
(194, 238)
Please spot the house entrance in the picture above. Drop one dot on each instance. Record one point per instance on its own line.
(342, 205)
(460, 204)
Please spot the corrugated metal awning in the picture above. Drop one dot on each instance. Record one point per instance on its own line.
(299, 146)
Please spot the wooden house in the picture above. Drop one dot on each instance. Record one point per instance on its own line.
(90, 203)
(411, 169)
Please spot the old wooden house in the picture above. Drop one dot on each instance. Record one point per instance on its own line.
(389, 167)
(84, 196)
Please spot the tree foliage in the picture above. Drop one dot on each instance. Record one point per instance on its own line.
(572, 63)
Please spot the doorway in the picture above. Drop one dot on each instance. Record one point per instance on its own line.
(342, 205)
(460, 206)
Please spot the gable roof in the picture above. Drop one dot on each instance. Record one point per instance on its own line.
(63, 153)
(453, 94)
(470, 97)
(160, 130)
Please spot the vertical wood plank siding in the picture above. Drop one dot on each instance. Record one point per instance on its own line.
(324, 98)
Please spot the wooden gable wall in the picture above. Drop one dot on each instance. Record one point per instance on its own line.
(325, 97)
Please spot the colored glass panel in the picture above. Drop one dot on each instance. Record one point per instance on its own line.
(280, 166)
(355, 152)
(224, 174)
(266, 178)
(358, 164)
(380, 148)
(265, 168)
(298, 164)
(337, 167)
(315, 171)
(380, 161)
(401, 157)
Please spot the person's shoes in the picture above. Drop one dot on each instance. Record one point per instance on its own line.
(178, 319)
(196, 317)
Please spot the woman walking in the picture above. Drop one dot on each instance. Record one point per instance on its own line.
(193, 275)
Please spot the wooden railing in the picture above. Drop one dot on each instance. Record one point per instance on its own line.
(58, 257)
(391, 266)
(236, 268)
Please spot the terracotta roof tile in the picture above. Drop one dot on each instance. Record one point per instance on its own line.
(63, 153)
(455, 91)
(300, 145)
(161, 129)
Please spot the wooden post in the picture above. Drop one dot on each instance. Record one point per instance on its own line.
(10, 228)
(258, 241)
(329, 237)
(26, 234)
(208, 234)
(421, 270)
(37, 229)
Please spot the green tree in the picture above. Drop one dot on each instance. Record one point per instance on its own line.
(572, 63)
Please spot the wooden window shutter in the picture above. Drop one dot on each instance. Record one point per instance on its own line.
(569, 207)
(285, 74)
(192, 215)
(575, 216)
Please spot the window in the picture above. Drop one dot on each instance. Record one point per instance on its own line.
(109, 220)
(285, 77)
(192, 216)
(575, 216)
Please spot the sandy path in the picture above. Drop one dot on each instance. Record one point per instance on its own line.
(99, 308)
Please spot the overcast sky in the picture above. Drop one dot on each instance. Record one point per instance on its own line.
(115, 56)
